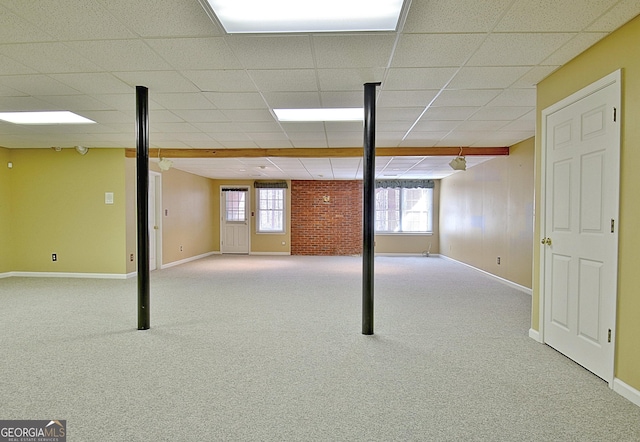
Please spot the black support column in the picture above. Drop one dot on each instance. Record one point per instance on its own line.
(142, 181)
(369, 205)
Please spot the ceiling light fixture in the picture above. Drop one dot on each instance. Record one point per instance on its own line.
(277, 16)
(82, 150)
(46, 117)
(459, 162)
(325, 114)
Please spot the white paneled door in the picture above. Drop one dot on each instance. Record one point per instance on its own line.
(234, 223)
(580, 243)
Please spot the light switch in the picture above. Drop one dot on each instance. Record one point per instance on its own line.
(108, 197)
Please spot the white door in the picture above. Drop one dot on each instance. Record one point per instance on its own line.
(154, 227)
(580, 244)
(234, 225)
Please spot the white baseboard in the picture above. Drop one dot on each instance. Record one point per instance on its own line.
(417, 254)
(535, 335)
(186, 260)
(68, 275)
(512, 284)
(626, 391)
(5, 275)
(271, 253)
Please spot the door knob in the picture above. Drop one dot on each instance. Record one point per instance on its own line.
(546, 241)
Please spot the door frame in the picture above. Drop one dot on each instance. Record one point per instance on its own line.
(223, 210)
(155, 179)
(613, 78)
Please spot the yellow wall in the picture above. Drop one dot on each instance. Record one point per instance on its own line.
(260, 242)
(58, 206)
(188, 216)
(617, 51)
(5, 210)
(486, 212)
(414, 243)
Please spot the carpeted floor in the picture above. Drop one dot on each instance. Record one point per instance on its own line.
(266, 348)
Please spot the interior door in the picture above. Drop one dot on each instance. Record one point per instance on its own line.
(234, 231)
(582, 150)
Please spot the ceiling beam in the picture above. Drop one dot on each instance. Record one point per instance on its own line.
(337, 152)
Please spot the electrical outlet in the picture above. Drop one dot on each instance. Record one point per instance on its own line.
(498, 260)
(54, 257)
(181, 248)
(131, 257)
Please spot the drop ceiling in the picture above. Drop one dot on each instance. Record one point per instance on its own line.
(456, 73)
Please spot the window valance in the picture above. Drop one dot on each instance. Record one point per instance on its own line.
(270, 184)
(406, 184)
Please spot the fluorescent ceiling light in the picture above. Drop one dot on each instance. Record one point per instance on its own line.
(262, 16)
(49, 117)
(327, 114)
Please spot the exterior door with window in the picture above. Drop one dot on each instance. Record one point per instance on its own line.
(234, 225)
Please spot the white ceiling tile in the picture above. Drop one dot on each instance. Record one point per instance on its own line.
(518, 49)
(272, 52)
(183, 101)
(498, 113)
(434, 50)
(285, 80)
(450, 112)
(231, 80)
(148, 18)
(207, 115)
(342, 99)
(240, 115)
(471, 125)
(436, 125)
(239, 100)
(621, 13)
(75, 102)
(573, 47)
(348, 79)
(37, 85)
(157, 81)
(303, 127)
(9, 66)
(398, 113)
(344, 126)
(533, 76)
(454, 16)
(515, 97)
(71, 19)
(466, 97)
(119, 55)
(487, 77)
(520, 125)
(353, 51)
(551, 15)
(48, 57)
(252, 127)
(292, 100)
(94, 83)
(15, 29)
(392, 99)
(407, 79)
(196, 53)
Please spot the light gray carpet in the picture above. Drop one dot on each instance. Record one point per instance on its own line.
(247, 348)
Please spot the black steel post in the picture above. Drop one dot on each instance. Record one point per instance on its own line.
(142, 180)
(369, 205)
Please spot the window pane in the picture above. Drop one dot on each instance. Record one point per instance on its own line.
(235, 206)
(270, 210)
(404, 210)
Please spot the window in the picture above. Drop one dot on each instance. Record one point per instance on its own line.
(235, 203)
(404, 210)
(270, 210)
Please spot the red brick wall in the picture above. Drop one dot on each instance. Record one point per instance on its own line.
(326, 228)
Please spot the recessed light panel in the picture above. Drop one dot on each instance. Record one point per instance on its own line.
(48, 117)
(274, 16)
(325, 114)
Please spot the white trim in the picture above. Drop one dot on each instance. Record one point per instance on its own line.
(533, 334)
(626, 391)
(131, 275)
(186, 260)
(69, 275)
(271, 253)
(5, 275)
(157, 181)
(502, 280)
